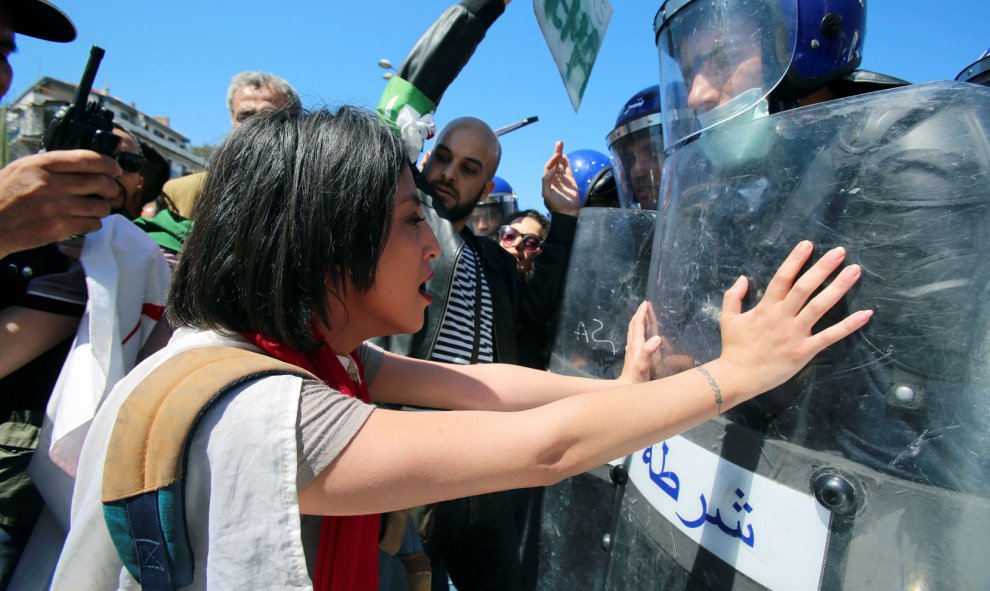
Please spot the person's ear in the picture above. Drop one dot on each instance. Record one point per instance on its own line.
(486, 190)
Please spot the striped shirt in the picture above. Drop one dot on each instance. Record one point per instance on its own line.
(456, 338)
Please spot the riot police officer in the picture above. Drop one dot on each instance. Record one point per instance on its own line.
(899, 178)
(636, 145)
(492, 211)
(739, 60)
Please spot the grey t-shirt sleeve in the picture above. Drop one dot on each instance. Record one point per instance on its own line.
(328, 420)
(370, 355)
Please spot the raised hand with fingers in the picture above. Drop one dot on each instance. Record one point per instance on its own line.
(560, 190)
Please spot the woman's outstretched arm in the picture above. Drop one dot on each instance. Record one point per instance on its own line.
(403, 459)
(503, 387)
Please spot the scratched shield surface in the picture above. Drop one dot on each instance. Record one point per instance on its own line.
(885, 435)
(606, 281)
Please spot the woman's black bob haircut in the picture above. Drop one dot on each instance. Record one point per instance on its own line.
(294, 206)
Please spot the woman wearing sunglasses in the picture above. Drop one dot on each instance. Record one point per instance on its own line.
(522, 238)
(304, 248)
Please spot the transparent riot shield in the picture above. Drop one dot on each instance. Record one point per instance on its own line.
(871, 468)
(606, 281)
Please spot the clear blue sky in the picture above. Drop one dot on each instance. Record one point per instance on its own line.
(175, 59)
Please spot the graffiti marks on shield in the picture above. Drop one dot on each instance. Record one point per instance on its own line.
(594, 332)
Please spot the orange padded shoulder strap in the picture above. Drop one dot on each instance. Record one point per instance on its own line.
(147, 447)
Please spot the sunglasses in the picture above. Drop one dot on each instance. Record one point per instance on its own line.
(508, 236)
(130, 162)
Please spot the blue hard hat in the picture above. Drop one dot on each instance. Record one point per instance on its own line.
(589, 168)
(707, 48)
(502, 188)
(642, 104)
(830, 36)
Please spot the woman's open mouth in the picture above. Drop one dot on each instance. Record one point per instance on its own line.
(422, 289)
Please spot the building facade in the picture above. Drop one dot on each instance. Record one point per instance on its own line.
(29, 116)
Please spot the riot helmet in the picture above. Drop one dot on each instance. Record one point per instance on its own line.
(725, 59)
(493, 211)
(593, 173)
(636, 145)
(603, 192)
(978, 72)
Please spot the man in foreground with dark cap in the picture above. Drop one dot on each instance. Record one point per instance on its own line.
(43, 198)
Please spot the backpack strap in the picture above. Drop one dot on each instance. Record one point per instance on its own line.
(143, 497)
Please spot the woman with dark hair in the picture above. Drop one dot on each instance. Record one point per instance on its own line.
(309, 241)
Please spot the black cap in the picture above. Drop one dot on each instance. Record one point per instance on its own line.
(40, 19)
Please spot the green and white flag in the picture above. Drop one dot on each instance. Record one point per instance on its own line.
(574, 30)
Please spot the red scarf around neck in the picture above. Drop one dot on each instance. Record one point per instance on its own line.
(348, 555)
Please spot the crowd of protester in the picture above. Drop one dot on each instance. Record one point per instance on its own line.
(321, 470)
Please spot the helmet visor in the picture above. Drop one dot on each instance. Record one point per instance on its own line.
(637, 159)
(486, 218)
(718, 59)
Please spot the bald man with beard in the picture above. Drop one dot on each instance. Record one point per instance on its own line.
(479, 303)
(478, 298)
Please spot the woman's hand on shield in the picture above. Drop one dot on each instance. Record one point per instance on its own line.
(767, 345)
